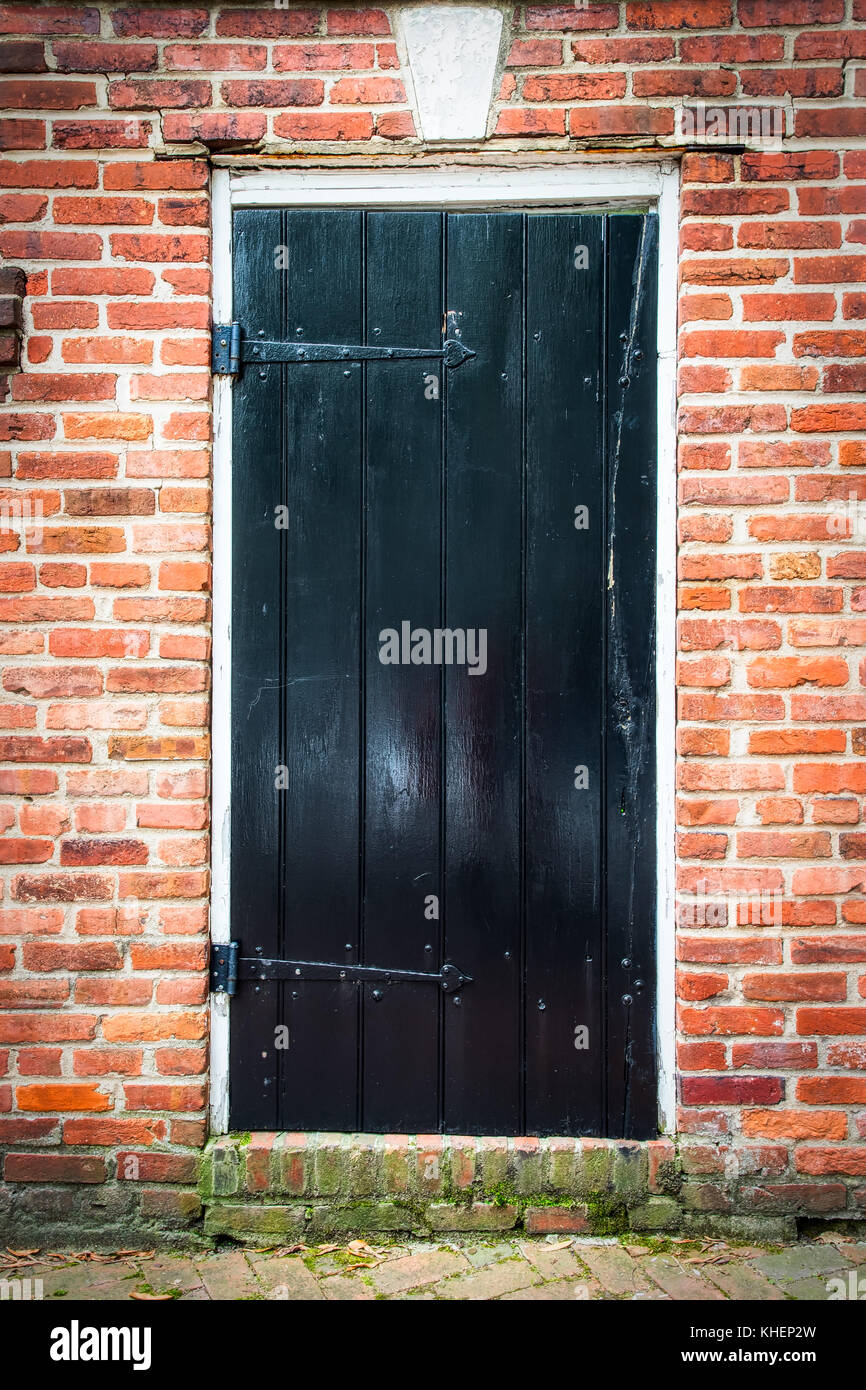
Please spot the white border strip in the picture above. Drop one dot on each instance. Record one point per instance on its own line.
(221, 728)
(520, 185)
(579, 185)
(666, 647)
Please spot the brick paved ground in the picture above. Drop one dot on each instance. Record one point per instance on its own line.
(520, 1268)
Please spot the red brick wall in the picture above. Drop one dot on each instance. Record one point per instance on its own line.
(104, 612)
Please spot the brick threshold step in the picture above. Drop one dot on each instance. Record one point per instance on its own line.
(293, 1186)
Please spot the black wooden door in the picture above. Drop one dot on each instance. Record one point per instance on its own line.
(390, 808)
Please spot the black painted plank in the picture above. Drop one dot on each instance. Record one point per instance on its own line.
(400, 1061)
(482, 712)
(631, 703)
(564, 646)
(256, 890)
(321, 832)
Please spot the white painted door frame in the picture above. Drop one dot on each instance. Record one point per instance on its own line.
(588, 185)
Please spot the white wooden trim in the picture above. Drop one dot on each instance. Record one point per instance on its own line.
(666, 647)
(588, 185)
(222, 671)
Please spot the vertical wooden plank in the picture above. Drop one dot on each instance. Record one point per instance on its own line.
(256, 888)
(402, 724)
(630, 676)
(564, 682)
(320, 705)
(482, 590)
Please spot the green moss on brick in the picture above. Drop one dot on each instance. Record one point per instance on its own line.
(608, 1216)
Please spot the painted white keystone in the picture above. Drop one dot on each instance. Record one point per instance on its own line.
(452, 51)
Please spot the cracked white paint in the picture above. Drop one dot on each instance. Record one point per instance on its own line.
(453, 52)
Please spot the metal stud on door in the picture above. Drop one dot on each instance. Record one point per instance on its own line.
(443, 857)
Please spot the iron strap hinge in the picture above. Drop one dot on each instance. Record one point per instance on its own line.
(224, 967)
(230, 350)
(226, 349)
(228, 966)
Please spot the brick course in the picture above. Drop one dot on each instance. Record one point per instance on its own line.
(113, 116)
